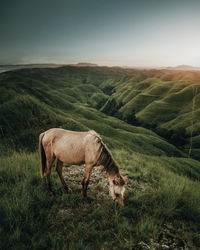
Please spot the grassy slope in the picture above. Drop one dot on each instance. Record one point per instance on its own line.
(161, 190)
(162, 99)
(35, 100)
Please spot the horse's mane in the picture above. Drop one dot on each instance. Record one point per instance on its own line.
(105, 157)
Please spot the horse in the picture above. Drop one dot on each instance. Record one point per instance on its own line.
(77, 148)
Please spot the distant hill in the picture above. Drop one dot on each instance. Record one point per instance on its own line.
(4, 68)
(184, 68)
(85, 64)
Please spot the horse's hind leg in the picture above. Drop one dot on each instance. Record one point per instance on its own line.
(59, 167)
(86, 179)
(50, 161)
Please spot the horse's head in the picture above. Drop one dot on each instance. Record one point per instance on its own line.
(117, 188)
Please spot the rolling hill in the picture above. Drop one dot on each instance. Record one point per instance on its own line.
(163, 100)
(184, 68)
(34, 100)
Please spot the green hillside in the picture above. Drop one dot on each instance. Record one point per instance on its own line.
(167, 102)
(162, 198)
(34, 100)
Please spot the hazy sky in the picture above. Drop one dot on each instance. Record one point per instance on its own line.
(107, 32)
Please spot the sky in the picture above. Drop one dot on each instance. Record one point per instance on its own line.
(149, 33)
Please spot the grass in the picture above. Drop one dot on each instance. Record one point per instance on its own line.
(31, 219)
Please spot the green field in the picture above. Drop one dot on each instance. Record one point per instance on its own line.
(162, 200)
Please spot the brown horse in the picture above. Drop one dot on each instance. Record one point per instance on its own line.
(79, 148)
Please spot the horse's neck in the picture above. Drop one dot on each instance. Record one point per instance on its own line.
(105, 158)
(112, 169)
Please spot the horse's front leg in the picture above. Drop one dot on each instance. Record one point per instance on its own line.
(86, 179)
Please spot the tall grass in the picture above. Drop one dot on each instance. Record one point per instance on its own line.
(31, 219)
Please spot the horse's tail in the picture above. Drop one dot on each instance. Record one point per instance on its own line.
(42, 156)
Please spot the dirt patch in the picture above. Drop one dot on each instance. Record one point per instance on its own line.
(74, 175)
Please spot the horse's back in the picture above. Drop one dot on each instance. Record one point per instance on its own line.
(71, 147)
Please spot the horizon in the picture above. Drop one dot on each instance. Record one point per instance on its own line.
(108, 33)
(103, 65)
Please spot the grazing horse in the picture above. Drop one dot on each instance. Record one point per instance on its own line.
(79, 148)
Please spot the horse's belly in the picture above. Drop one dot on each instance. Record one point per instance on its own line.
(70, 155)
(68, 159)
